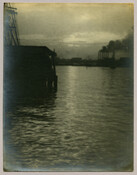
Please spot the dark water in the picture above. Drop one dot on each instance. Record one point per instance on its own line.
(86, 126)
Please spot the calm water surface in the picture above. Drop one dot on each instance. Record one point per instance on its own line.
(86, 126)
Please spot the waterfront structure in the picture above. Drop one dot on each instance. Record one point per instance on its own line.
(26, 68)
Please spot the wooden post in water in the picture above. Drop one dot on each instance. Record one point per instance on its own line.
(55, 78)
(55, 82)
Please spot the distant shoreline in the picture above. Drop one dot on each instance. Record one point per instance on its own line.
(80, 65)
(122, 62)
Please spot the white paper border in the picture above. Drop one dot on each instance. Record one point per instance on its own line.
(1, 88)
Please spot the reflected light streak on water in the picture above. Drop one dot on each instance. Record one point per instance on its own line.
(86, 126)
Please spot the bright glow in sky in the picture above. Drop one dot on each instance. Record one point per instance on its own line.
(63, 25)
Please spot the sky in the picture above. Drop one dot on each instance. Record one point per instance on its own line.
(74, 29)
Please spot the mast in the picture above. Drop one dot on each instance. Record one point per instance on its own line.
(10, 26)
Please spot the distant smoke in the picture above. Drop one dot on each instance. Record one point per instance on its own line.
(128, 41)
(126, 44)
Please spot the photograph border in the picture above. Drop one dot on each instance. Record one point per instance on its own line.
(1, 86)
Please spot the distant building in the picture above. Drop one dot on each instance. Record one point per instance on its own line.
(76, 60)
(120, 53)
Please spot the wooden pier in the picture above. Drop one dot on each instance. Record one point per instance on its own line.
(29, 70)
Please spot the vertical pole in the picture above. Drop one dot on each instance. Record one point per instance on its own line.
(98, 54)
(54, 71)
(113, 56)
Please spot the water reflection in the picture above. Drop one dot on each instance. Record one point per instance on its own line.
(25, 127)
(86, 126)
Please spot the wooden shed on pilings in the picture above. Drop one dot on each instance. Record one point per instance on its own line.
(29, 70)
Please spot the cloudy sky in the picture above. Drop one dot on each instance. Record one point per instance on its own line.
(73, 29)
